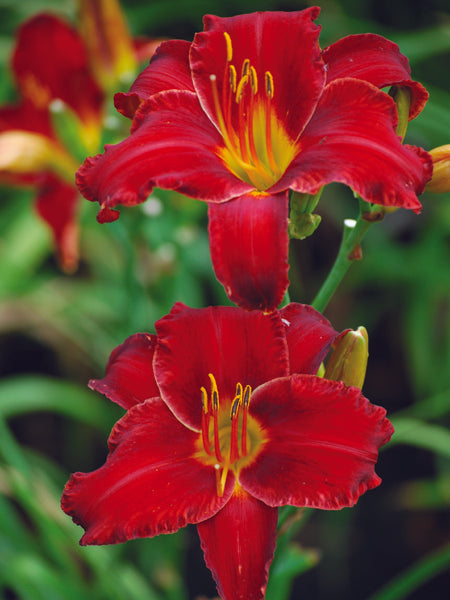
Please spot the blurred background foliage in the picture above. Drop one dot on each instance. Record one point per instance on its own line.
(57, 331)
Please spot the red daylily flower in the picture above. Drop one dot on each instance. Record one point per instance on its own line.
(226, 420)
(251, 109)
(56, 69)
(52, 61)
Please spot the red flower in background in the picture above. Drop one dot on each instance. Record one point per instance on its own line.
(52, 61)
(251, 109)
(226, 420)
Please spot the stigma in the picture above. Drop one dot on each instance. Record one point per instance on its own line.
(256, 148)
(229, 437)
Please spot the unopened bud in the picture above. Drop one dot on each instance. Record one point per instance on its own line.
(402, 98)
(440, 181)
(348, 363)
(302, 221)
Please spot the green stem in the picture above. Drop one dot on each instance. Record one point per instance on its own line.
(352, 236)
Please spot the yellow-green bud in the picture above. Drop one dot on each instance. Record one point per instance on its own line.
(302, 221)
(402, 98)
(348, 363)
(440, 181)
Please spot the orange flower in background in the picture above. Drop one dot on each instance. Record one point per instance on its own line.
(59, 118)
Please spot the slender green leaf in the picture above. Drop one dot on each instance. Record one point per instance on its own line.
(20, 395)
(415, 576)
(423, 435)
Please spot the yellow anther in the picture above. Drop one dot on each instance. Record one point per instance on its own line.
(269, 84)
(240, 88)
(233, 78)
(253, 80)
(245, 67)
(204, 400)
(247, 394)
(229, 46)
(214, 392)
(236, 402)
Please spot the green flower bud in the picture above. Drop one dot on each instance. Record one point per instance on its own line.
(302, 221)
(348, 363)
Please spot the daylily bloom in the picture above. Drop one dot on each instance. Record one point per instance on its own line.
(226, 420)
(251, 109)
(53, 68)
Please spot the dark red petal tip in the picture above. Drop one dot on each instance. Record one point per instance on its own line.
(374, 59)
(168, 70)
(238, 544)
(249, 249)
(172, 146)
(129, 377)
(351, 139)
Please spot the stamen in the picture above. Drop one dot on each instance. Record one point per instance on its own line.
(245, 403)
(223, 127)
(240, 88)
(235, 405)
(269, 84)
(233, 451)
(250, 120)
(269, 96)
(232, 78)
(253, 80)
(229, 46)
(205, 423)
(245, 67)
(215, 410)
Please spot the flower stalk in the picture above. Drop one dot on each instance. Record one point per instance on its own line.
(349, 251)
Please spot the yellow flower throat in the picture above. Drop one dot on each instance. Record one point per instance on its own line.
(256, 147)
(230, 439)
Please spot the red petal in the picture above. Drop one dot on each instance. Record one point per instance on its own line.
(129, 377)
(322, 443)
(150, 483)
(172, 146)
(26, 117)
(283, 43)
(375, 59)
(232, 344)
(56, 203)
(168, 70)
(351, 139)
(57, 68)
(309, 337)
(249, 248)
(238, 544)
